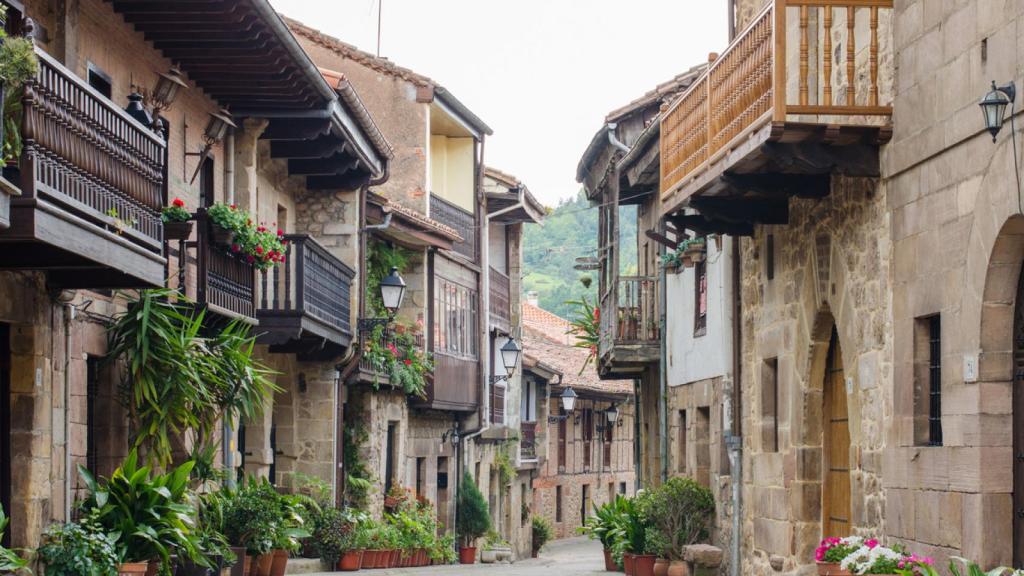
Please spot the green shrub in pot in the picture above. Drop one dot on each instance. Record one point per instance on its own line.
(252, 517)
(541, 533)
(473, 519)
(76, 549)
(682, 510)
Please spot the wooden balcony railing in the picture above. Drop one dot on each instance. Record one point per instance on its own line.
(460, 220)
(500, 292)
(630, 314)
(758, 80)
(528, 441)
(224, 282)
(455, 385)
(310, 293)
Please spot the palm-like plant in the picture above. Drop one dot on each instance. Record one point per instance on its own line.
(585, 326)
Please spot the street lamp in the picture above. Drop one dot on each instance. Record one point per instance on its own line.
(612, 414)
(568, 399)
(993, 106)
(166, 90)
(510, 355)
(392, 291)
(216, 128)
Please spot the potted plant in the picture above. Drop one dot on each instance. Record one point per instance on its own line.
(682, 512)
(252, 520)
(70, 550)
(473, 519)
(177, 221)
(18, 65)
(603, 525)
(394, 497)
(873, 558)
(340, 538)
(541, 533)
(495, 548)
(147, 514)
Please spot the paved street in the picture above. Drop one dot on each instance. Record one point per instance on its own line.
(570, 557)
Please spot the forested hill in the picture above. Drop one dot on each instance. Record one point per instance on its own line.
(550, 252)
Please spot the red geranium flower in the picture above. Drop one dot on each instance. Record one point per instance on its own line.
(178, 202)
(250, 259)
(233, 206)
(259, 249)
(235, 248)
(282, 258)
(280, 232)
(408, 362)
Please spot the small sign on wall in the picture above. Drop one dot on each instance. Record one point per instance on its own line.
(971, 367)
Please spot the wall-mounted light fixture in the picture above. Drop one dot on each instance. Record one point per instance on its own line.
(392, 292)
(216, 128)
(993, 108)
(568, 398)
(166, 91)
(510, 352)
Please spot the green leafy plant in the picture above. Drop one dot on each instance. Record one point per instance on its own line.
(258, 518)
(397, 355)
(18, 65)
(262, 246)
(176, 212)
(381, 258)
(360, 481)
(146, 514)
(605, 523)
(494, 540)
(443, 550)
(77, 549)
(473, 519)
(337, 532)
(585, 327)
(540, 533)
(682, 511)
(969, 568)
(503, 463)
(10, 561)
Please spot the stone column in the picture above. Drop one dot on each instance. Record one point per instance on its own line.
(246, 162)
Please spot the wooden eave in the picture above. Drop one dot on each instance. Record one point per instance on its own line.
(406, 231)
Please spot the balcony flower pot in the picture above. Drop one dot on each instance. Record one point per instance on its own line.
(831, 569)
(178, 230)
(609, 562)
(220, 235)
(132, 569)
(351, 561)
(627, 563)
(643, 564)
(279, 564)
(8, 189)
(678, 568)
(661, 567)
(467, 555)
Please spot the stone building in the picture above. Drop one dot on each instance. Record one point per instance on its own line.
(84, 221)
(584, 457)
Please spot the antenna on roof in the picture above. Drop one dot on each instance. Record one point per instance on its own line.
(380, 9)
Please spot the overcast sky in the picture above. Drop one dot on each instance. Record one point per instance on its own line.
(541, 73)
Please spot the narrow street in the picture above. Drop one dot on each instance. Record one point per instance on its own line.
(569, 557)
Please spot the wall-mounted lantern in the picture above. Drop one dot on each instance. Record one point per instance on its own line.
(993, 106)
(568, 398)
(392, 292)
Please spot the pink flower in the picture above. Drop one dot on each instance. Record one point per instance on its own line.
(871, 543)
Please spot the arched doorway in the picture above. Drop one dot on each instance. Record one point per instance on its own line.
(1018, 426)
(835, 500)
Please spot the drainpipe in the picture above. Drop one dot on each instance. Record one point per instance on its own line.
(734, 439)
(229, 166)
(614, 140)
(663, 369)
(483, 244)
(69, 317)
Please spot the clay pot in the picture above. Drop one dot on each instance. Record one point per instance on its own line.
(262, 564)
(153, 568)
(351, 561)
(279, 564)
(177, 230)
(831, 569)
(422, 557)
(627, 563)
(396, 559)
(609, 562)
(467, 555)
(661, 567)
(643, 564)
(678, 568)
(132, 569)
(239, 568)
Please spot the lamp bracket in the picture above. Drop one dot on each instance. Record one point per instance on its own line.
(1010, 89)
(499, 378)
(370, 324)
(556, 419)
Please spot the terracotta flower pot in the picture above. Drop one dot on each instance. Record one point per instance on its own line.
(643, 564)
(239, 568)
(831, 569)
(262, 565)
(132, 569)
(279, 564)
(177, 230)
(661, 567)
(467, 555)
(678, 568)
(609, 562)
(153, 568)
(627, 563)
(351, 561)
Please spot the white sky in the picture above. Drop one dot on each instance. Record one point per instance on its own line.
(541, 73)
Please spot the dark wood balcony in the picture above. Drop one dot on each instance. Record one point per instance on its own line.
(777, 113)
(462, 221)
(225, 284)
(92, 183)
(500, 301)
(630, 326)
(455, 384)
(528, 441)
(305, 302)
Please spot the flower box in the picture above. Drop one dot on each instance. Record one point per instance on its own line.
(177, 230)
(831, 569)
(351, 561)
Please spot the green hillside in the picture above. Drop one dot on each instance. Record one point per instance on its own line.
(550, 252)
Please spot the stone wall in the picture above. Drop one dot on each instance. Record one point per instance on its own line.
(832, 268)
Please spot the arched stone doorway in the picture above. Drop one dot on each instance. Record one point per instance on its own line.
(835, 495)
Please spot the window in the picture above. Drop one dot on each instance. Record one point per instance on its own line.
(100, 80)
(561, 437)
(700, 298)
(207, 193)
(769, 256)
(622, 487)
(702, 445)
(389, 457)
(770, 405)
(421, 478)
(611, 491)
(455, 319)
(681, 448)
(92, 392)
(928, 381)
(528, 407)
(587, 422)
(558, 503)
(585, 503)
(608, 431)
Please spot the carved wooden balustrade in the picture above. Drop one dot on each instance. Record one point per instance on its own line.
(629, 323)
(224, 281)
(758, 82)
(528, 441)
(500, 303)
(462, 221)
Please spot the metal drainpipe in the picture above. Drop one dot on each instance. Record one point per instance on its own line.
(69, 317)
(637, 440)
(228, 433)
(735, 441)
(229, 166)
(663, 371)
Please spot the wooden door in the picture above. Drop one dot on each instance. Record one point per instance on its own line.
(1018, 428)
(836, 488)
(5, 425)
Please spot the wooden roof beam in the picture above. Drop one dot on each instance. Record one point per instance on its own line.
(321, 147)
(333, 166)
(296, 129)
(349, 181)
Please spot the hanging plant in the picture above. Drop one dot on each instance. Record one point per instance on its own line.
(585, 326)
(257, 244)
(18, 65)
(400, 358)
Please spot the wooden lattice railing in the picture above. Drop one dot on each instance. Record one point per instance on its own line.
(749, 86)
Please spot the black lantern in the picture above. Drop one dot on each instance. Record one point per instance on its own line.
(568, 399)
(993, 106)
(166, 90)
(392, 290)
(216, 129)
(510, 355)
(612, 414)
(136, 110)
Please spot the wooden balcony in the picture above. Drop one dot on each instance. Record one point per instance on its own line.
(500, 301)
(630, 331)
(305, 302)
(528, 441)
(462, 221)
(777, 112)
(225, 284)
(455, 384)
(91, 182)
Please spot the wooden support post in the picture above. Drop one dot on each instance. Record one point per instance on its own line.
(851, 55)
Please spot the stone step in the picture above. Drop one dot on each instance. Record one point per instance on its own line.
(304, 566)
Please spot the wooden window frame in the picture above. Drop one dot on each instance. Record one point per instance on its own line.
(700, 299)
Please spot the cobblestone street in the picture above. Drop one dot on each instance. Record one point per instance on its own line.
(569, 557)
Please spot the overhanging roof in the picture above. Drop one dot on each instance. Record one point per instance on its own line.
(514, 206)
